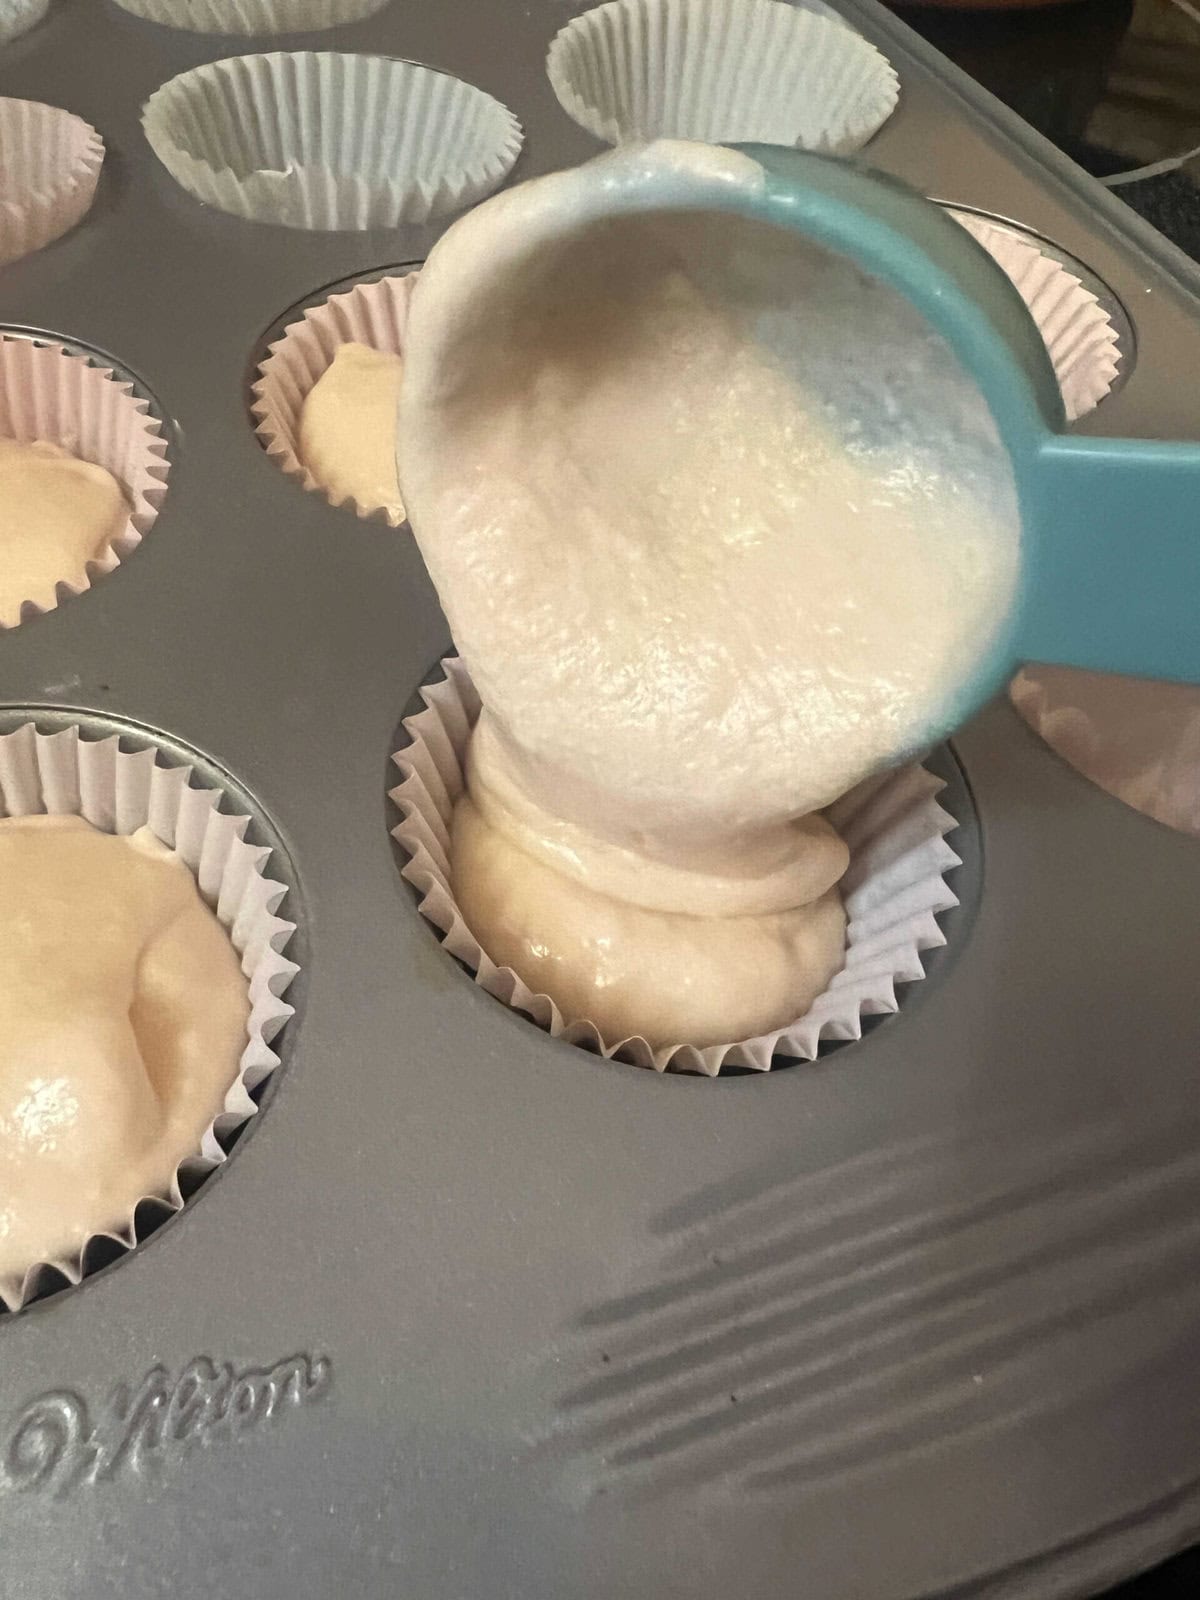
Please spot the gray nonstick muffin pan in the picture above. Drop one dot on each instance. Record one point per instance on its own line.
(471, 1314)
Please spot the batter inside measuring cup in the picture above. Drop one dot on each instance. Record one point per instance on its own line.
(719, 526)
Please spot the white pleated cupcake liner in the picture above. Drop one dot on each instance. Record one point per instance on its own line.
(250, 17)
(49, 167)
(374, 314)
(326, 141)
(894, 890)
(18, 16)
(1137, 740)
(721, 71)
(51, 394)
(1080, 339)
(68, 773)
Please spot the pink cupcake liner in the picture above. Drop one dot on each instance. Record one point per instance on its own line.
(894, 890)
(118, 791)
(1138, 741)
(49, 393)
(373, 314)
(1079, 335)
(48, 174)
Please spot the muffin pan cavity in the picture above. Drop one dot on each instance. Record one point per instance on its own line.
(369, 309)
(1088, 334)
(901, 885)
(279, 138)
(121, 778)
(721, 70)
(48, 176)
(63, 393)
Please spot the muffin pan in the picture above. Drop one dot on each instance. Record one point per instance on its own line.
(473, 1314)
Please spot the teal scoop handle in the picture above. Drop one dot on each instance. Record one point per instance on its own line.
(1110, 568)
(1114, 579)
(1110, 555)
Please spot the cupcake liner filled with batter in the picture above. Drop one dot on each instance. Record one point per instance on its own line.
(49, 168)
(252, 16)
(1080, 338)
(50, 779)
(342, 443)
(893, 891)
(282, 138)
(722, 71)
(64, 418)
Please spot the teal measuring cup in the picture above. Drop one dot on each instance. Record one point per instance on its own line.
(1110, 528)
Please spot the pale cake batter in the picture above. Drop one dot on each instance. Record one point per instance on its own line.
(719, 526)
(663, 976)
(57, 513)
(123, 1012)
(348, 428)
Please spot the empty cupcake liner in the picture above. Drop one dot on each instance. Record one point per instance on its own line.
(48, 393)
(327, 141)
(48, 175)
(68, 773)
(18, 16)
(720, 71)
(1137, 740)
(253, 16)
(894, 891)
(373, 314)
(1080, 338)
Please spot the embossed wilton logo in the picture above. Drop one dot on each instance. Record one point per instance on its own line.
(54, 1445)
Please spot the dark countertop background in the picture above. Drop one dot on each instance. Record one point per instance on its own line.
(1116, 85)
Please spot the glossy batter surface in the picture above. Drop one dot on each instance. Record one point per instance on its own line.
(123, 1013)
(662, 976)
